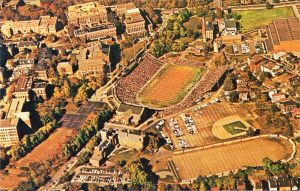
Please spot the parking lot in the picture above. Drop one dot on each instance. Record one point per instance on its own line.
(203, 120)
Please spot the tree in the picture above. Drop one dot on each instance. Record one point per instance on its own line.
(229, 84)
(233, 96)
(137, 174)
(66, 89)
(269, 5)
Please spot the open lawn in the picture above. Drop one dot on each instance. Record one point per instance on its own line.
(170, 86)
(230, 157)
(252, 19)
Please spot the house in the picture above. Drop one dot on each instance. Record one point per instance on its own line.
(277, 97)
(272, 183)
(271, 68)
(129, 114)
(287, 105)
(278, 54)
(64, 68)
(284, 183)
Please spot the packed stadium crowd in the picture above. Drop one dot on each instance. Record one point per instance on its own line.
(186, 62)
(129, 86)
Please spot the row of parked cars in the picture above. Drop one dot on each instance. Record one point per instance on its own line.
(189, 123)
(175, 127)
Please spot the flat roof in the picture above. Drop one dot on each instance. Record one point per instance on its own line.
(284, 30)
(24, 84)
(94, 29)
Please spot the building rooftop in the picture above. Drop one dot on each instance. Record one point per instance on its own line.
(94, 29)
(134, 17)
(8, 123)
(125, 6)
(24, 84)
(134, 109)
(230, 24)
(284, 30)
(85, 9)
(39, 85)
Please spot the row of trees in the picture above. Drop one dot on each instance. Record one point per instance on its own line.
(85, 133)
(28, 142)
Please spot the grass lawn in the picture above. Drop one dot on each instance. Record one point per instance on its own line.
(129, 52)
(235, 127)
(252, 19)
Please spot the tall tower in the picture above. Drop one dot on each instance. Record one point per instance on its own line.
(204, 29)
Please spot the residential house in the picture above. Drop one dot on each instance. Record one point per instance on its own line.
(287, 105)
(277, 97)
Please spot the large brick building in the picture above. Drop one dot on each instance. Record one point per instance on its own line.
(96, 32)
(92, 61)
(44, 25)
(284, 34)
(87, 14)
(9, 131)
(134, 22)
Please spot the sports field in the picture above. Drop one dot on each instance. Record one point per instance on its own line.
(252, 19)
(230, 127)
(170, 85)
(230, 157)
(235, 127)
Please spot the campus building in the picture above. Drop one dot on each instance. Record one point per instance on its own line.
(207, 30)
(92, 61)
(134, 21)
(284, 34)
(96, 32)
(44, 25)
(9, 131)
(87, 14)
(65, 68)
(23, 87)
(33, 2)
(126, 139)
(129, 114)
